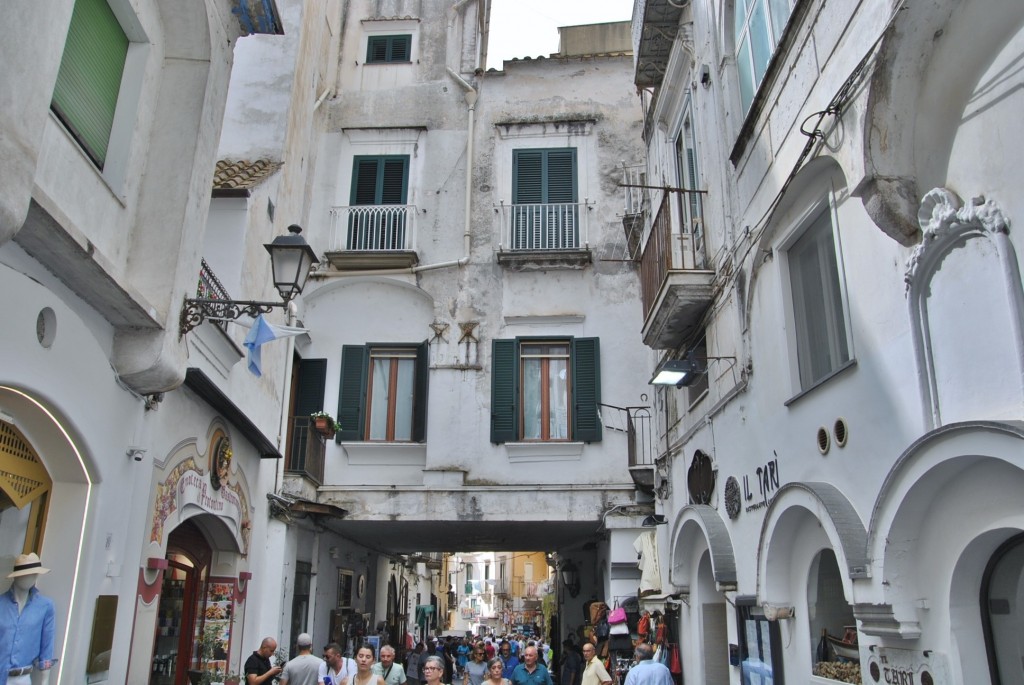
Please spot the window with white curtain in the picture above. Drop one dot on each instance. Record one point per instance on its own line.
(390, 394)
(822, 344)
(545, 388)
(757, 28)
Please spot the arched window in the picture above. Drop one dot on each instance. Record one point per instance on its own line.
(757, 28)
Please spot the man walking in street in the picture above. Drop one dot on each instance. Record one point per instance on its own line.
(594, 672)
(570, 666)
(530, 672)
(305, 668)
(509, 660)
(258, 669)
(648, 671)
(335, 668)
(392, 673)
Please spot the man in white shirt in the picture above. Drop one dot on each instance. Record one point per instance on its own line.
(335, 668)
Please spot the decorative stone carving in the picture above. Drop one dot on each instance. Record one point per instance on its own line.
(943, 217)
(732, 497)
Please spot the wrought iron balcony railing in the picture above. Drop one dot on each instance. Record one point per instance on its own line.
(306, 449)
(660, 256)
(373, 228)
(544, 227)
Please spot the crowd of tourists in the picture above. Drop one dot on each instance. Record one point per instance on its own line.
(510, 660)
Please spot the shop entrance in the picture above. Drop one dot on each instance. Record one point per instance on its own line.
(1002, 617)
(180, 616)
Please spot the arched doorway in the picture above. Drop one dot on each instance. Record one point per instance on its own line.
(1002, 615)
(196, 610)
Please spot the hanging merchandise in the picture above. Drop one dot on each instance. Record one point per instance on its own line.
(619, 629)
(674, 663)
(617, 615)
(643, 626)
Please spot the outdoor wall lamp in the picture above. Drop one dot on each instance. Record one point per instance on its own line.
(682, 372)
(290, 259)
(570, 578)
(653, 520)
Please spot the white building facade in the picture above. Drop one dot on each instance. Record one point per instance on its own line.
(844, 294)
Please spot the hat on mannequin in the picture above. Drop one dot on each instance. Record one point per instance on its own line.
(27, 564)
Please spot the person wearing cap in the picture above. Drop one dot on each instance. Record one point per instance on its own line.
(26, 625)
(305, 668)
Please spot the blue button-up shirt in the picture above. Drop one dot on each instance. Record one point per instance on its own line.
(25, 637)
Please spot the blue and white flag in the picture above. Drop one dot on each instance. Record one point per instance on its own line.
(262, 333)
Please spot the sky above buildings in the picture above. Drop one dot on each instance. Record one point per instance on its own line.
(529, 28)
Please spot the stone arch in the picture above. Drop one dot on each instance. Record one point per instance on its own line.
(927, 62)
(929, 499)
(699, 527)
(815, 515)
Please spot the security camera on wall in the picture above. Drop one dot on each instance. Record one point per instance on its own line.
(136, 453)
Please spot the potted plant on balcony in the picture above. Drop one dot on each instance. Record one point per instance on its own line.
(324, 423)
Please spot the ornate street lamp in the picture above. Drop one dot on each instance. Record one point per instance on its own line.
(291, 258)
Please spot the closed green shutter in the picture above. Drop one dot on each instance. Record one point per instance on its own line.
(352, 393)
(527, 177)
(380, 180)
(560, 180)
(388, 49)
(89, 79)
(419, 409)
(586, 382)
(504, 394)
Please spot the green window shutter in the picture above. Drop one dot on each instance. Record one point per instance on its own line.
(89, 79)
(527, 177)
(586, 383)
(352, 393)
(388, 49)
(377, 49)
(419, 409)
(364, 180)
(380, 180)
(560, 181)
(504, 394)
(401, 48)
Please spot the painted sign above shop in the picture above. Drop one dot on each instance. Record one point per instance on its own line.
(905, 666)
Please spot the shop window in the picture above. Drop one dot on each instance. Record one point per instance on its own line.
(89, 80)
(383, 396)
(545, 390)
(822, 344)
(760, 642)
(833, 630)
(24, 494)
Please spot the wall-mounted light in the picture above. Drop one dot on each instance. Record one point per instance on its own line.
(290, 259)
(570, 577)
(677, 372)
(654, 520)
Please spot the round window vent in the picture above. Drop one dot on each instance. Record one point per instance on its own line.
(840, 431)
(824, 442)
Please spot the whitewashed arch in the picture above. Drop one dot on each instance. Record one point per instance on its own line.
(697, 526)
(793, 508)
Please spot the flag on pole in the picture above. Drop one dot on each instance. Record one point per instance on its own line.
(262, 333)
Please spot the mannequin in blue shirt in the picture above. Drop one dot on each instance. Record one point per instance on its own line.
(26, 625)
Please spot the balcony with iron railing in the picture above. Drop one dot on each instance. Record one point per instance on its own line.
(373, 237)
(637, 205)
(635, 423)
(306, 450)
(675, 281)
(518, 586)
(544, 235)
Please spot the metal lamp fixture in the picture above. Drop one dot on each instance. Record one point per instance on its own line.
(677, 372)
(291, 258)
(654, 520)
(570, 578)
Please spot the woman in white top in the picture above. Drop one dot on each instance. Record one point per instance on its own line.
(364, 674)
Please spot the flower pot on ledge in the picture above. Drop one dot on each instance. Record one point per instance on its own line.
(324, 426)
